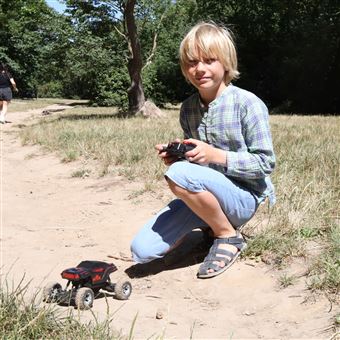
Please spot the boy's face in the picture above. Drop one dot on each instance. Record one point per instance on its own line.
(207, 75)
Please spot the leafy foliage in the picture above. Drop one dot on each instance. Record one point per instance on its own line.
(23, 29)
(289, 52)
(163, 78)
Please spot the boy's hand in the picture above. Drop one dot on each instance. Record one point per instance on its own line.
(167, 159)
(204, 153)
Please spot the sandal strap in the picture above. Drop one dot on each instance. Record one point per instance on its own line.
(235, 241)
(215, 253)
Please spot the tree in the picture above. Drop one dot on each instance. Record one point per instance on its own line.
(135, 92)
(163, 79)
(137, 103)
(288, 50)
(22, 38)
(122, 19)
(94, 55)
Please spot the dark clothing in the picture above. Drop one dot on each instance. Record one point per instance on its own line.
(5, 79)
(6, 94)
(5, 86)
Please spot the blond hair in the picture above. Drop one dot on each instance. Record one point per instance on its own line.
(209, 41)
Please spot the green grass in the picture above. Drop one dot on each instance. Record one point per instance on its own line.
(81, 173)
(306, 178)
(24, 318)
(286, 280)
(307, 182)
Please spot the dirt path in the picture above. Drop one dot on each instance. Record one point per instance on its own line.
(51, 221)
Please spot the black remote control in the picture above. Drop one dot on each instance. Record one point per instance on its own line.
(178, 149)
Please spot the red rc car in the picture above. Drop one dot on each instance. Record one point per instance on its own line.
(86, 280)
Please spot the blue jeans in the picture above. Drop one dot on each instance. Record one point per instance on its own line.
(172, 223)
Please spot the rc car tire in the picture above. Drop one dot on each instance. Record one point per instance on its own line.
(122, 290)
(84, 298)
(51, 292)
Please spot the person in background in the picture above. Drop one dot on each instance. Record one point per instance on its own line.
(6, 82)
(226, 176)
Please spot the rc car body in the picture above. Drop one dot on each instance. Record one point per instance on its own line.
(84, 283)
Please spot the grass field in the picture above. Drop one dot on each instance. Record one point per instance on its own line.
(24, 105)
(306, 177)
(303, 223)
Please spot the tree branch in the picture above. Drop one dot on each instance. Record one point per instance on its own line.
(121, 33)
(154, 45)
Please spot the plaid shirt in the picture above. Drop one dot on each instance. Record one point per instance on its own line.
(236, 121)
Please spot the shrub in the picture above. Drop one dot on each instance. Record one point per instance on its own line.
(52, 89)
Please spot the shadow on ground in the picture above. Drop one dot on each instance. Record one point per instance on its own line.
(88, 116)
(192, 251)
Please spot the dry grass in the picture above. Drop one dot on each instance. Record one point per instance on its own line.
(31, 104)
(305, 220)
(27, 318)
(126, 145)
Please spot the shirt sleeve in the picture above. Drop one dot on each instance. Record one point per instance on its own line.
(258, 161)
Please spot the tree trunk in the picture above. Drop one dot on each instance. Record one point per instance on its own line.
(135, 64)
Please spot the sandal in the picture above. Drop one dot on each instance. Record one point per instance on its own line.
(227, 257)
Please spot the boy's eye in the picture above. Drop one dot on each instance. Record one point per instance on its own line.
(193, 62)
(209, 61)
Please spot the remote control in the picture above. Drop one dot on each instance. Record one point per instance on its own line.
(178, 149)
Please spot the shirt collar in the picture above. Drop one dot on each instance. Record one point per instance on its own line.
(217, 100)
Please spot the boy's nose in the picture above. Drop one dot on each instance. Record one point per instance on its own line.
(200, 66)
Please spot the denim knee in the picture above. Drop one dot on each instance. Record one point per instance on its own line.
(139, 254)
(142, 252)
(184, 175)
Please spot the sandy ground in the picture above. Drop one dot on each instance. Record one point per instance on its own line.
(51, 221)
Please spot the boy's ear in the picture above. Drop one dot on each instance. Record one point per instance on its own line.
(226, 75)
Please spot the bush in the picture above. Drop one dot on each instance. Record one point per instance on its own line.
(52, 89)
(112, 90)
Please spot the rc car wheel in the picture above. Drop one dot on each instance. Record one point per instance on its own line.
(123, 290)
(51, 292)
(84, 298)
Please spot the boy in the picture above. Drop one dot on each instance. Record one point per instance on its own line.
(226, 176)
